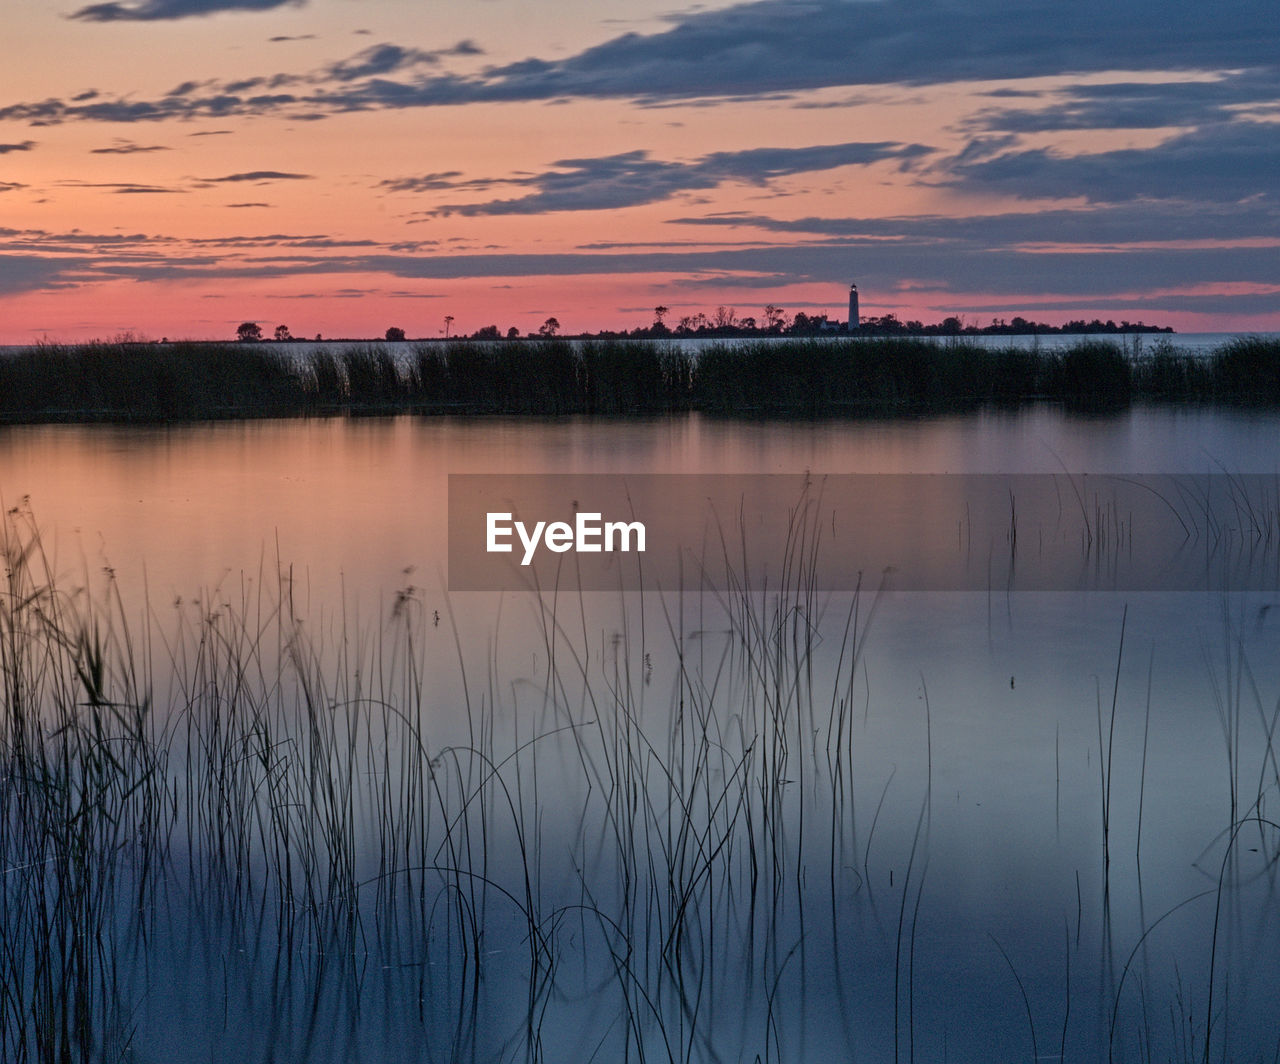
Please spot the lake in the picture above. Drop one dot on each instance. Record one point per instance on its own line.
(790, 823)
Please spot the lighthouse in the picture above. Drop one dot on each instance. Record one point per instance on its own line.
(853, 308)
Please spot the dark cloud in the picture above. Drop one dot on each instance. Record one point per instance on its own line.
(633, 178)
(1224, 163)
(380, 59)
(257, 241)
(25, 145)
(77, 241)
(244, 85)
(1136, 105)
(125, 187)
(30, 273)
(52, 112)
(1097, 226)
(359, 82)
(329, 242)
(772, 47)
(443, 179)
(260, 175)
(128, 148)
(786, 45)
(949, 271)
(153, 10)
(248, 204)
(1228, 304)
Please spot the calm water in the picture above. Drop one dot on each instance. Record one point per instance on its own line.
(894, 855)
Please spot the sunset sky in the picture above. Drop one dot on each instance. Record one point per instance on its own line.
(175, 167)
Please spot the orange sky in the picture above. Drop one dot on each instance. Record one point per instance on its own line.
(174, 167)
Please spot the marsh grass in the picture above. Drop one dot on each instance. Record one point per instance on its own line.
(82, 813)
(774, 378)
(149, 382)
(286, 797)
(650, 851)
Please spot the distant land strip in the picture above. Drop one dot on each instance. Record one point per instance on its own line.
(552, 376)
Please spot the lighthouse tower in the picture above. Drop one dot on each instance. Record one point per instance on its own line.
(853, 308)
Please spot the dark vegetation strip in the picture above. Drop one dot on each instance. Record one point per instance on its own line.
(787, 377)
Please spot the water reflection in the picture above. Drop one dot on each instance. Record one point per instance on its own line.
(796, 825)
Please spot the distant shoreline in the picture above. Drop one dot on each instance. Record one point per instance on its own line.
(802, 326)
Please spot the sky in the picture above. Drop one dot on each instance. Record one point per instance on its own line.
(172, 168)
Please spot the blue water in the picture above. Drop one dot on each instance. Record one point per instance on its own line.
(921, 842)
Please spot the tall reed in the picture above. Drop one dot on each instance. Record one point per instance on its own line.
(647, 848)
(780, 377)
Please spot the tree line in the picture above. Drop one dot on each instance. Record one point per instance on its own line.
(725, 322)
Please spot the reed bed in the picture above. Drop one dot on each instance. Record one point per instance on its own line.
(151, 382)
(284, 797)
(782, 377)
(650, 851)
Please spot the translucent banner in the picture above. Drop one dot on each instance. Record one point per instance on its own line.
(980, 532)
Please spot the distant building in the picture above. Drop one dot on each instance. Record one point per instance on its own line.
(854, 320)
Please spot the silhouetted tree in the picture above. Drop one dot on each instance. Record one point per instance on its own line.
(513, 333)
(282, 333)
(488, 332)
(549, 327)
(448, 320)
(249, 330)
(659, 313)
(395, 334)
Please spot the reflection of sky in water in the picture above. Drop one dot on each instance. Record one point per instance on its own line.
(1003, 883)
(366, 497)
(901, 532)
